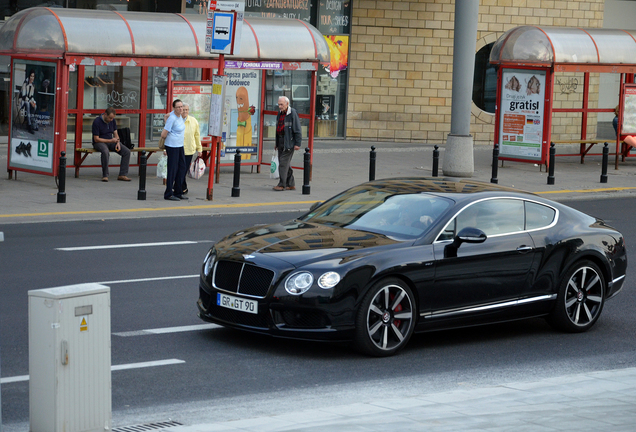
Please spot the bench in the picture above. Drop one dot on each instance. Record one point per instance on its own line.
(583, 149)
(84, 152)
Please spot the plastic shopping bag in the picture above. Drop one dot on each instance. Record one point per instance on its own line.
(197, 168)
(273, 169)
(162, 167)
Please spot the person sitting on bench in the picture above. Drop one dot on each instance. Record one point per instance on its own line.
(106, 139)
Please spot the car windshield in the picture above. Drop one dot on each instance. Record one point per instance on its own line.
(397, 214)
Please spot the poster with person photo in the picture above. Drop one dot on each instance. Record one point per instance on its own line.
(32, 116)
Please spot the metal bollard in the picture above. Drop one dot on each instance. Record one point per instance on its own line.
(551, 168)
(372, 164)
(436, 161)
(236, 190)
(141, 193)
(495, 164)
(306, 171)
(61, 177)
(604, 165)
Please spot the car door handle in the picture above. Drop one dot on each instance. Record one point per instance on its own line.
(524, 249)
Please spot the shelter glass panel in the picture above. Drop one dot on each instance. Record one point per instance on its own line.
(72, 89)
(112, 86)
(154, 126)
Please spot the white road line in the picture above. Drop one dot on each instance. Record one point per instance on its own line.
(140, 365)
(167, 330)
(131, 245)
(147, 279)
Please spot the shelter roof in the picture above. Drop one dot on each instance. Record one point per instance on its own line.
(563, 45)
(56, 31)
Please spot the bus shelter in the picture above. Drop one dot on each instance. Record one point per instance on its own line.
(69, 65)
(539, 72)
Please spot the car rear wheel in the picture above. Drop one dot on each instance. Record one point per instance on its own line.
(581, 298)
(386, 318)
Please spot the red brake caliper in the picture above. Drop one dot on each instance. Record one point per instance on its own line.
(397, 309)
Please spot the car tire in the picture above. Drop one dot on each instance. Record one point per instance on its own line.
(386, 318)
(581, 298)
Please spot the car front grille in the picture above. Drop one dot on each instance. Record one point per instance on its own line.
(242, 278)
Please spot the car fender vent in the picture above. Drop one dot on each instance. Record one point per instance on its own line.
(147, 427)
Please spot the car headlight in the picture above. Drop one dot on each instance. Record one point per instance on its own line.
(298, 283)
(209, 263)
(328, 280)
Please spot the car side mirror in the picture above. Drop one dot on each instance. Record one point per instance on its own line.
(314, 205)
(466, 235)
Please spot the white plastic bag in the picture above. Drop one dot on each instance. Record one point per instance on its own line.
(197, 168)
(273, 169)
(162, 167)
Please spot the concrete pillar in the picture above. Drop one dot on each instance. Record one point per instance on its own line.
(458, 155)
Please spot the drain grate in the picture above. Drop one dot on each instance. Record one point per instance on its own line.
(147, 427)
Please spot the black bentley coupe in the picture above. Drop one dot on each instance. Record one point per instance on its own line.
(390, 257)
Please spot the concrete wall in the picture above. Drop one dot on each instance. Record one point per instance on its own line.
(401, 64)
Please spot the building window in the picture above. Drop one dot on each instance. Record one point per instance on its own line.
(485, 81)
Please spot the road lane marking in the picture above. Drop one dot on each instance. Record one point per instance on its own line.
(213, 206)
(139, 365)
(615, 189)
(147, 279)
(130, 245)
(166, 330)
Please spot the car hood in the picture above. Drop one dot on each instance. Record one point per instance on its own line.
(298, 243)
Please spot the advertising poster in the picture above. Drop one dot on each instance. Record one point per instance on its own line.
(32, 116)
(521, 114)
(198, 96)
(242, 96)
(629, 111)
(339, 52)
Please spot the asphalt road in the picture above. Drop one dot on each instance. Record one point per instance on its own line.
(224, 374)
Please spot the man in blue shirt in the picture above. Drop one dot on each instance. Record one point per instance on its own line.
(106, 139)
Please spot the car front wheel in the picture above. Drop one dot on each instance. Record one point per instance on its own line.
(581, 298)
(386, 318)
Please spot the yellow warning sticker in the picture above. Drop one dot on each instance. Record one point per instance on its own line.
(83, 325)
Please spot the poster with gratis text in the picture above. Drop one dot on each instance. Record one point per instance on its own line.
(521, 114)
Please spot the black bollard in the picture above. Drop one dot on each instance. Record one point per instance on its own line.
(436, 161)
(372, 164)
(306, 171)
(61, 177)
(551, 168)
(236, 190)
(604, 166)
(495, 164)
(141, 193)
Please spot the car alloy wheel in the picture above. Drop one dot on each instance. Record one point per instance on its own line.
(386, 318)
(581, 298)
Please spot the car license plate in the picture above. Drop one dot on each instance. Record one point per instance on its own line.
(231, 302)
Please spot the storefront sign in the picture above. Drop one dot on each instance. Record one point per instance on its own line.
(334, 17)
(521, 118)
(32, 116)
(294, 9)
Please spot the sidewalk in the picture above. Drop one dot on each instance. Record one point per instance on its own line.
(596, 401)
(338, 165)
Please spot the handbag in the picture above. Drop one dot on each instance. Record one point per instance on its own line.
(162, 143)
(273, 169)
(197, 168)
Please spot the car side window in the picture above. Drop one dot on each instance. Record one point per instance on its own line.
(493, 217)
(538, 215)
